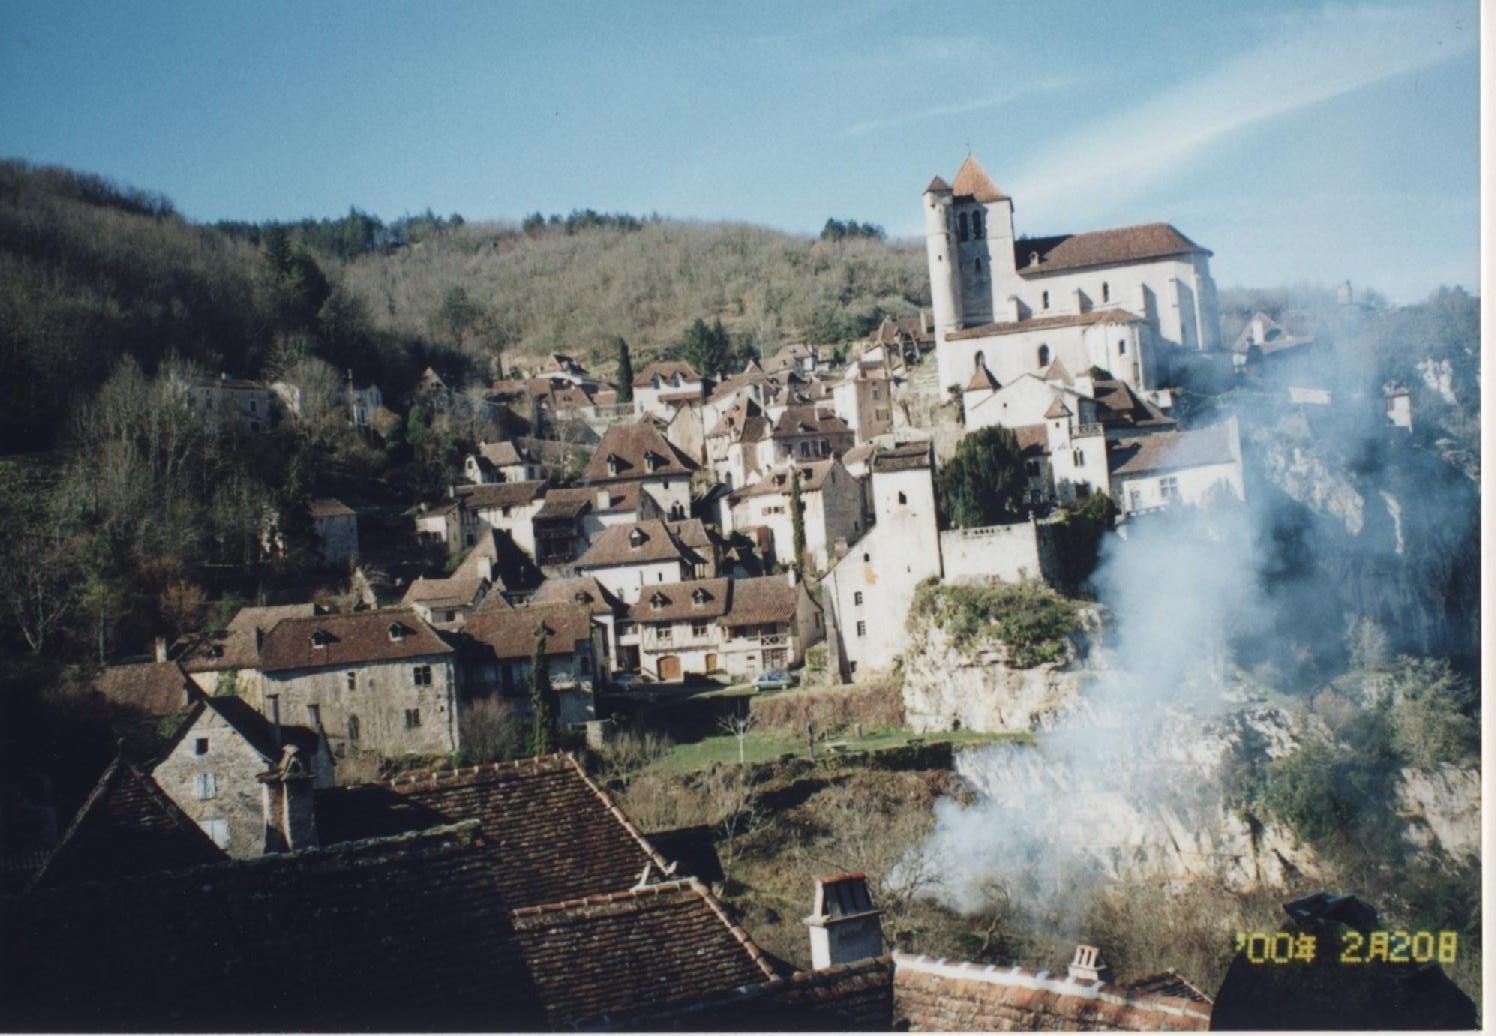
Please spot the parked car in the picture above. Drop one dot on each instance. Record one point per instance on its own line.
(774, 680)
(625, 681)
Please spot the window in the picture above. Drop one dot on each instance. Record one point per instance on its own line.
(857, 597)
(423, 676)
(450, 615)
(412, 719)
(665, 633)
(314, 715)
(1044, 300)
(1168, 488)
(353, 728)
(254, 408)
(1043, 355)
(902, 498)
(201, 746)
(1121, 348)
(861, 628)
(698, 630)
(1032, 467)
(1106, 292)
(867, 557)
(977, 264)
(1078, 458)
(963, 228)
(205, 785)
(877, 394)
(352, 681)
(976, 225)
(218, 830)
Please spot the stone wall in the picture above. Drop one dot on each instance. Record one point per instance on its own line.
(236, 795)
(1013, 553)
(380, 697)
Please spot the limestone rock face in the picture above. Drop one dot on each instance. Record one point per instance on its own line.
(1441, 806)
(946, 688)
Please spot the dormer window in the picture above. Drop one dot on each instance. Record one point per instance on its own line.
(700, 596)
(657, 601)
(637, 538)
(651, 461)
(613, 464)
(1033, 258)
(583, 597)
(321, 638)
(397, 632)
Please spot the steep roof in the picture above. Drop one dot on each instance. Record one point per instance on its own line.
(569, 503)
(1120, 406)
(1168, 451)
(639, 543)
(234, 648)
(972, 181)
(330, 508)
(1095, 316)
(694, 599)
(812, 475)
(388, 934)
(627, 445)
(155, 688)
(937, 184)
(510, 633)
(938, 995)
(126, 826)
(909, 456)
(765, 599)
(250, 724)
(1102, 247)
(585, 590)
(982, 381)
(500, 494)
(503, 454)
(348, 640)
(1057, 408)
(809, 420)
(675, 937)
(459, 590)
(666, 369)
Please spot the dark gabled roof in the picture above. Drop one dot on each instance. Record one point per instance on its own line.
(556, 834)
(937, 184)
(1120, 406)
(1095, 316)
(627, 445)
(639, 543)
(500, 494)
(126, 826)
(938, 995)
(1101, 247)
(1169, 451)
(348, 640)
(387, 934)
(585, 590)
(909, 456)
(664, 942)
(155, 688)
(812, 475)
(510, 634)
(765, 599)
(234, 648)
(568, 504)
(808, 420)
(666, 369)
(503, 454)
(329, 508)
(695, 599)
(855, 997)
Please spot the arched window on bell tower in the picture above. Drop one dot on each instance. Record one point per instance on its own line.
(1043, 355)
(976, 225)
(962, 227)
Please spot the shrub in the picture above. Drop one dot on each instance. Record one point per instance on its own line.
(1031, 620)
(490, 730)
(874, 706)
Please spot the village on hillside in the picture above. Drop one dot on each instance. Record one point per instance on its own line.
(393, 798)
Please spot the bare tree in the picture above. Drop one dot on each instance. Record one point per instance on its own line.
(36, 586)
(739, 726)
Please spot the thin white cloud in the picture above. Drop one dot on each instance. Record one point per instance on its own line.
(1312, 59)
(943, 110)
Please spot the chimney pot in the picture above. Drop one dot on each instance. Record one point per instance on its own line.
(1087, 964)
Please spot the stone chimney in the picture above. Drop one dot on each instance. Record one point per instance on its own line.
(160, 649)
(1089, 965)
(288, 805)
(604, 498)
(845, 926)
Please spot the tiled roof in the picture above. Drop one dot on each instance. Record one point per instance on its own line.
(567, 504)
(937, 184)
(664, 942)
(855, 997)
(1167, 451)
(126, 826)
(348, 639)
(666, 369)
(500, 494)
(503, 454)
(454, 591)
(1095, 316)
(1057, 409)
(812, 474)
(410, 932)
(982, 381)
(1100, 247)
(808, 420)
(234, 648)
(936, 995)
(1033, 439)
(639, 543)
(509, 634)
(909, 456)
(1119, 405)
(972, 181)
(627, 445)
(695, 599)
(765, 599)
(155, 688)
(555, 833)
(328, 508)
(579, 590)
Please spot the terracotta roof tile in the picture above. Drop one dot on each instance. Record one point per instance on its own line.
(584, 590)
(908, 456)
(765, 599)
(155, 688)
(503, 454)
(1167, 451)
(1100, 247)
(628, 446)
(666, 369)
(809, 420)
(812, 473)
(695, 599)
(972, 181)
(349, 639)
(982, 381)
(644, 542)
(509, 634)
(500, 494)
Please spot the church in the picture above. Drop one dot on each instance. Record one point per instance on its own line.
(1120, 300)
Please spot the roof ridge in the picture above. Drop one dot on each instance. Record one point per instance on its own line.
(604, 898)
(534, 764)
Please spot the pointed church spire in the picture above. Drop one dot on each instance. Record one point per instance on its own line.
(973, 180)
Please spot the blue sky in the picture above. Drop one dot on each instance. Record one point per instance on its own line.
(1302, 142)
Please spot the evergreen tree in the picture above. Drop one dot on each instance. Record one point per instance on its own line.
(625, 372)
(797, 519)
(542, 701)
(706, 348)
(983, 483)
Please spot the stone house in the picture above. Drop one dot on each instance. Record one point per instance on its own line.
(446, 602)
(233, 405)
(362, 402)
(607, 611)
(732, 448)
(246, 781)
(627, 558)
(336, 526)
(740, 627)
(664, 382)
(1173, 468)
(508, 507)
(831, 502)
(863, 398)
(640, 453)
(1114, 299)
(498, 648)
(441, 524)
(805, 432)
(227, 661)
(501, 462)
(380, 681)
